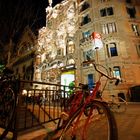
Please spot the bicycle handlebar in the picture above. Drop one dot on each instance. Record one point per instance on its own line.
(102, 73)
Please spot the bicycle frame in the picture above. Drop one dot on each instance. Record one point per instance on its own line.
(88, 100)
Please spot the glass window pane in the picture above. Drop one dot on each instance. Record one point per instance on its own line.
(103, 12)
(116, 71)
(110, 11)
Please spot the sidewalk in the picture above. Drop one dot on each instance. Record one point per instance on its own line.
(35, 135)
(129, 123)
(128, 126)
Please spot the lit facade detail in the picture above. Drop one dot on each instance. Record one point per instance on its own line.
(66, 41)
(56, 41)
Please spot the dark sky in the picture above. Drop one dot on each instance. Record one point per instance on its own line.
(17, 14)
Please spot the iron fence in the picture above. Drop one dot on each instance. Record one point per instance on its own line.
(38, 103)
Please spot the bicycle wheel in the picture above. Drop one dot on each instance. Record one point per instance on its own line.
(98, 123)
(72, 104)
(7, 109)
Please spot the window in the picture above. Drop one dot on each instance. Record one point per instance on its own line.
(131, 11)
(90, 81)
(106, 12)
(86, 34)
(109, 28)
(117, 72)
(112, 49)
(71, 47)
(110, 11)
(103, 12)
(135, 29)
(88, 55)
(84, 6)
(86, 19)
(138, 50)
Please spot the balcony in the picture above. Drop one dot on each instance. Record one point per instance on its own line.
(86, 39)
(84, 7)
(85, 43)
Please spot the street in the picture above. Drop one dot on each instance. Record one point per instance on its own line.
(129, 123)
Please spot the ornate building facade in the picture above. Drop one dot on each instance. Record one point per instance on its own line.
(66, 42)
(56, 55)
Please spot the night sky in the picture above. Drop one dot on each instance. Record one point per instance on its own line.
(15, 15)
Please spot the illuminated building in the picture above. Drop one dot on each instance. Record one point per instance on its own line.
(66, 42)
(56, 57)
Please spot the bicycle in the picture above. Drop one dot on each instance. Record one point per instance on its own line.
(84, 113)
(8, 100)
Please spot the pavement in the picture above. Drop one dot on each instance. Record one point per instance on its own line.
(128, 124)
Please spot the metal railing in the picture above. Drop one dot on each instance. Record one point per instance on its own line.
(38, 103)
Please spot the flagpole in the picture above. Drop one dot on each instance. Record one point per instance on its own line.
(96, 50)
(97, 55)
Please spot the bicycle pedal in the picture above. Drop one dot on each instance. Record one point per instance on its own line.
(64, 116)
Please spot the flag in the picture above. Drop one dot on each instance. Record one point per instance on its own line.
(97, 41)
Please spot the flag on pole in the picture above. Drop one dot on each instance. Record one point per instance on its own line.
(97, 41)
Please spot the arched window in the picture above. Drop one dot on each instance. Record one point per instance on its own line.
(38, 60)
(112, 49)
(71, 47)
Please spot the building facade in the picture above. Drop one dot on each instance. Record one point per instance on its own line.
(119, 24)
(66, 42)
(57, 54)
(21, 57)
